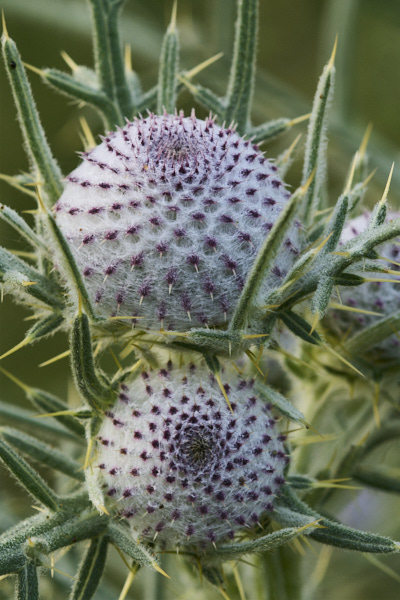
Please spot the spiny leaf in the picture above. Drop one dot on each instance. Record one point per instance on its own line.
(168, 68)
(16, 273)
(292, 511)
(121, 537)
(27, 583)
(261, 544)
(28, 477)
(241, 79)
(300, 327)
(37, 450)
(19, 224)
(66, 84)
(315, 153)
(95, 392)
(264, 261)
(23, 418)
(90, 570)
(281, 403)
(37, 148)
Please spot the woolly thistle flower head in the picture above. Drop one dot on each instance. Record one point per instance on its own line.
(181, 466)
(166, 216)
(379, 297)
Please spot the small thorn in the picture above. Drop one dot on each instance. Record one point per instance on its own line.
(90, 142)
(221, 386)
(17, 381)
(337, 306)
(3, 20)
(34, 69)
(55, 359)
(300, 119)
(333, 55)
(70, 62)
(315, 322)
(16, 348)
(386, 190)
(365, 140)
(172, 24)
(368, 178)
(128, 58)
(196, 70)
(159, 569)
(351, 174)
(39, 199)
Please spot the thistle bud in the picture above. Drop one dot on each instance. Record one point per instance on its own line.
(181, 466)
(165, 217)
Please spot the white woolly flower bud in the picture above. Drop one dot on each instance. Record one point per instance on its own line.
(379, 297)
(181, 466)
(165, 218)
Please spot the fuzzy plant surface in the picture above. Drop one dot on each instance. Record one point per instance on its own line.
(182, 466)
(173, 260)
(166, 216)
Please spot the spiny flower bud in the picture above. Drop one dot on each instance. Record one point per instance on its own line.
(182, 466)
(165, 218)
(380, 297)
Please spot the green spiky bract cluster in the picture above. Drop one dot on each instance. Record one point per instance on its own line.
(270, 343)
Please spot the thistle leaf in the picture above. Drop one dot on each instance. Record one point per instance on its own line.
(37, 450)
(300, 327)
(205, 97)
(281, 403)
(18, 275)
(27, 583)
(87, 380)
(42, 161)
(23, 418)
(241, 79)
(21, 226)
(168, 68)
(28, 477)
(68, 263)
(120, 537)
(47, 403)
(381, 478)
(264, 261)
(291, 510)
(90, 570)
(261, 544)
(315, 154)
(68, 85)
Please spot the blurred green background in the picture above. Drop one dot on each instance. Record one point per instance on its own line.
(296, 38)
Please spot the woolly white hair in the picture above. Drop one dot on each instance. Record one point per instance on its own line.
(165, 218)
(184, 468)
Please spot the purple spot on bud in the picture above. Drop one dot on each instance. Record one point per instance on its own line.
(111, 235)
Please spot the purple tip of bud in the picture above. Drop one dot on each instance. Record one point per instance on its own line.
(144, 289)
(172, 276)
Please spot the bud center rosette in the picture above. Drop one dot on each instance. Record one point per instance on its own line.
(165, 218)
(381, 298)
(182, 467)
